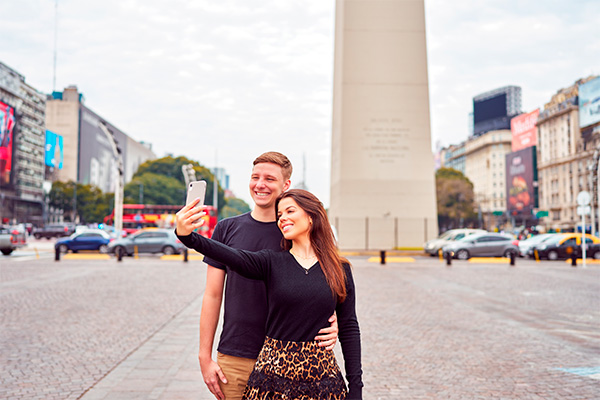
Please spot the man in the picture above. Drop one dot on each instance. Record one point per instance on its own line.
(245, 310)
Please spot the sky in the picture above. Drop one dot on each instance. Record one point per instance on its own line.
(222, 82)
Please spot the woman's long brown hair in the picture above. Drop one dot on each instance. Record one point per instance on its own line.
(321, 239)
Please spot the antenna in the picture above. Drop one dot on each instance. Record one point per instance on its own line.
(55, 40)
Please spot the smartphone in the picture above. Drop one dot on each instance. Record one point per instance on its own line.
(196, 190)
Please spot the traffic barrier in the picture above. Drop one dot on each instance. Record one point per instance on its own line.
(382, 256)
(512, 259)
(119, 254)
(185, 255)
(449, 259)
(56, 254)
(573, 259)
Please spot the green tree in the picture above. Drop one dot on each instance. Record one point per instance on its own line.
(158, 189)
(84, 203)
(454, 199)
(171, 167)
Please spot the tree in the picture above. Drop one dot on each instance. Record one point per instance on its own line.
(83, 203)
(158, 189)
(170, 167)
(454, 199)
(233, 207)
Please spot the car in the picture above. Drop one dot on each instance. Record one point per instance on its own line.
(593, 251)
(433, 247)
(90, 239)
(54, 230)
(482, 245)
(11, 239)
(149, 240)
(562, 246)
(526, 244)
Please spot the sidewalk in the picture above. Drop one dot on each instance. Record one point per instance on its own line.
(164, 367)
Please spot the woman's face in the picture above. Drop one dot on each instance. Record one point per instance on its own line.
(292, 220)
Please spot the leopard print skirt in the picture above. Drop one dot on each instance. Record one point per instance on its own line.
(295, 371)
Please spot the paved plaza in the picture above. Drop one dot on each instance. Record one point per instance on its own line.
(99, 329)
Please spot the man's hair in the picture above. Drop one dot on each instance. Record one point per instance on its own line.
(276, 158)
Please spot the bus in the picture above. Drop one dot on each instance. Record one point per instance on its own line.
(138, 216)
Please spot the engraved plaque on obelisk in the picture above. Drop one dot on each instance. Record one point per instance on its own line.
(382, 173)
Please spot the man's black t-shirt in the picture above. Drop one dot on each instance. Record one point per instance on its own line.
(246, 308)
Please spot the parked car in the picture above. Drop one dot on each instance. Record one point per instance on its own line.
(526, 244)
(593, 251)
(54, 230)
(432, 247)
(562, 246)
(150, 240)
(90, 239)
(482, 245)
(11, 239)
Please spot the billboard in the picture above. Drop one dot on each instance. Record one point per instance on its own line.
(54, 150)
(7, 124)
(521, 181)
(491, 108)
(524, 130)
(589, 103)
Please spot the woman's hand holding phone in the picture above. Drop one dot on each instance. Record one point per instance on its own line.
(189, 218)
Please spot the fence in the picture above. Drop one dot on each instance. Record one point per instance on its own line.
(371, 233)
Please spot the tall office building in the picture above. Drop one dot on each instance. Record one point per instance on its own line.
(382, 175)
(22, 140)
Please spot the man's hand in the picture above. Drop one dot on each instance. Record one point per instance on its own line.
(328, 336)
(189, 218)
(211, 373)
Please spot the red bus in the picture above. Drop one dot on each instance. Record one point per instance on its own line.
(138, 216)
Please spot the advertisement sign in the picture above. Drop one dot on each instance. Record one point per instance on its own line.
(7, 124)
(524, 130)
(521, 181)
(589, 103)
(54, 150)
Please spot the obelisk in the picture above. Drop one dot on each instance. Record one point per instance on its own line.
(382, 170)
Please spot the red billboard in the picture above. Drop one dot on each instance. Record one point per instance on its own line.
(7, 124)
(524, 130)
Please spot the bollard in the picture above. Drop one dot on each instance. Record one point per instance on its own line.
(185, 255)
(573, 259)
(448, 259)
(119, 254)
(536, 254)
(512, 259)
(56, 254)
(382, 256)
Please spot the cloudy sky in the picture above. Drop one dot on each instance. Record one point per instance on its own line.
(222, 81)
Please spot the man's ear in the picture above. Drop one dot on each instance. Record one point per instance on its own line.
(287, 185)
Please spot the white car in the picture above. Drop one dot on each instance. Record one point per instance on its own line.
(432, 247)
(525, 245)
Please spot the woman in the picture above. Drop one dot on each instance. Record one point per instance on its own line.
(305, 284)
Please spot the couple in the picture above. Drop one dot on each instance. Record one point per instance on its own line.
(278, 304)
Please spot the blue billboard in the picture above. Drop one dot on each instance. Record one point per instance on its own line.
(589, 103)
(54, 150)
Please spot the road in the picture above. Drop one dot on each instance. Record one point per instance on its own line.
(99, 329)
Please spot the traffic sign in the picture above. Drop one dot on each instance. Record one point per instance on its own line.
(584, 210)
(583, 198)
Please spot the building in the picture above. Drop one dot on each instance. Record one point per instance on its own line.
(564, 157)
(22, 141)
(87, 149)
(485, 168)
(493, 110)
(454, 157)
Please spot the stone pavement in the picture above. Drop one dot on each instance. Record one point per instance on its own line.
(472, 331)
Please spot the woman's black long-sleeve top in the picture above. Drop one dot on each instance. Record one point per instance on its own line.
(300, 300)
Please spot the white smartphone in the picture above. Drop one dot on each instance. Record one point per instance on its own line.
(196, 189)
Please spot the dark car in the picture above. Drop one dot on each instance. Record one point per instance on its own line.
(54, 230)
(482, 245)
(593, 251)
(562, 247)
(149, 240)
(92, 239)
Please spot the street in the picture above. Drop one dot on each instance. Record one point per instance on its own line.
(100, 329)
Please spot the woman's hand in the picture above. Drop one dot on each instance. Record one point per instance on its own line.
(189, 218)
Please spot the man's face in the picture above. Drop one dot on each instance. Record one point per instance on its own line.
(266, 184)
